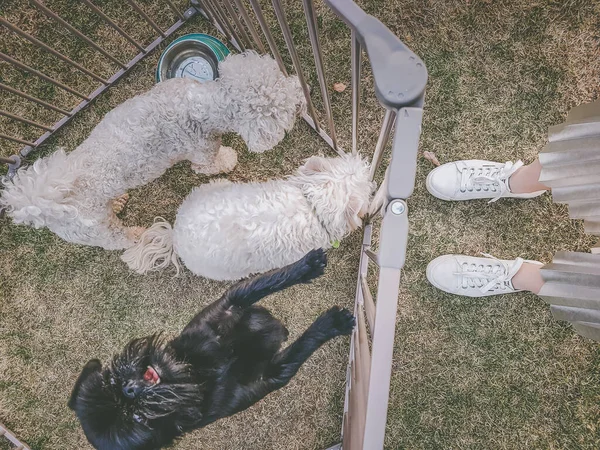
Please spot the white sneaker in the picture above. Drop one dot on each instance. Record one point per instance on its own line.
(474, 277)
(474, 179)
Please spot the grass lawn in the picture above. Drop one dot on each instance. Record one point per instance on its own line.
(467, 373)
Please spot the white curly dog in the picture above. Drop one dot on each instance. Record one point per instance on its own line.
(227, 231)
(74, 194)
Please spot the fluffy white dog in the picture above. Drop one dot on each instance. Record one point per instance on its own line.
(73, 194)
(227, 231)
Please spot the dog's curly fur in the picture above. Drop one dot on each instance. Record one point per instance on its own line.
(225, 360)
(138, 141)
(227, 231)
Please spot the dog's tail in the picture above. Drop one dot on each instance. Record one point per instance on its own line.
(42, 193)
(154, 249)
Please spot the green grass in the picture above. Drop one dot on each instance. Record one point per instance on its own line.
(467, 373)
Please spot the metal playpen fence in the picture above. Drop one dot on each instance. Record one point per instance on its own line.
(399, 78)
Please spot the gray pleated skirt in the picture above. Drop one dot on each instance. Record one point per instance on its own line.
(571, 167)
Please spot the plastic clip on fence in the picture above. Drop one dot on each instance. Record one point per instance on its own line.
(399, 78)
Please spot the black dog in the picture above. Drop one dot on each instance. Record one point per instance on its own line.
(225, 360)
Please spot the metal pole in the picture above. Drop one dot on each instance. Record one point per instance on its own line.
(4, 160)
(76, 32)
(34, 99)
(384, 136)
(18, 140)
(287, 35)
(311, 21)
(212, 15)
(12, 438)
(238, 24)
(116, 27)
(250, 25)
(147, 18)
(265, 29)
(368, 301)
(235, 39)
(22, 119)
(175, 10)
(51, 50)
(372, 256)
(25, 67)
(381, 358)
(356, 70)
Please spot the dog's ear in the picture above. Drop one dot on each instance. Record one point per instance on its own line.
(91, 367)
(315, 164)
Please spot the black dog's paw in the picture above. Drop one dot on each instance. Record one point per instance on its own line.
(337, 321)
(312, 265)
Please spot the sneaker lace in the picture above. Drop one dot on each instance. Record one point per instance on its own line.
(488, 178)
(489, 277)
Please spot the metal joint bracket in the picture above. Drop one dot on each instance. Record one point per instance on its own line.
(14, 162)
(400, 75)
(394, 233)
(398, 207)
(191, 11)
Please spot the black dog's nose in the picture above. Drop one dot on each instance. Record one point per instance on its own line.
(131, 389)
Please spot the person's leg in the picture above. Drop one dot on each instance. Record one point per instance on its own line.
(529, 278)
(526, 179)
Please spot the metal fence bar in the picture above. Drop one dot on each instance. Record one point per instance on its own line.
(360, 388)
(372, 256)
(175, 9)
(147, 18)
(384, 136)
(381, 362)
(29, 146)
(34, 99)
(354, 419)
(251, 28)
(113, 25)
(265, 29)
(25, 67)
(311, 21)
(350, 432)
(368, 302)
(14, 139)
(4, 160)
(346, 442)
(364, 347)
(76, 32)
(12, 438)
(24, 120)
(356, 58)
(287, 35)
(212, 15)
(51, 50)
(234, 37)
(241, 30)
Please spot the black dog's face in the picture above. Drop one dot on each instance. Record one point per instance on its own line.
(143, 399)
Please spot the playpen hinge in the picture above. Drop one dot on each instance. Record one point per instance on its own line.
(13, 162)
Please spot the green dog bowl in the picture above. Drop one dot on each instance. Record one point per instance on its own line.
(194, 56)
